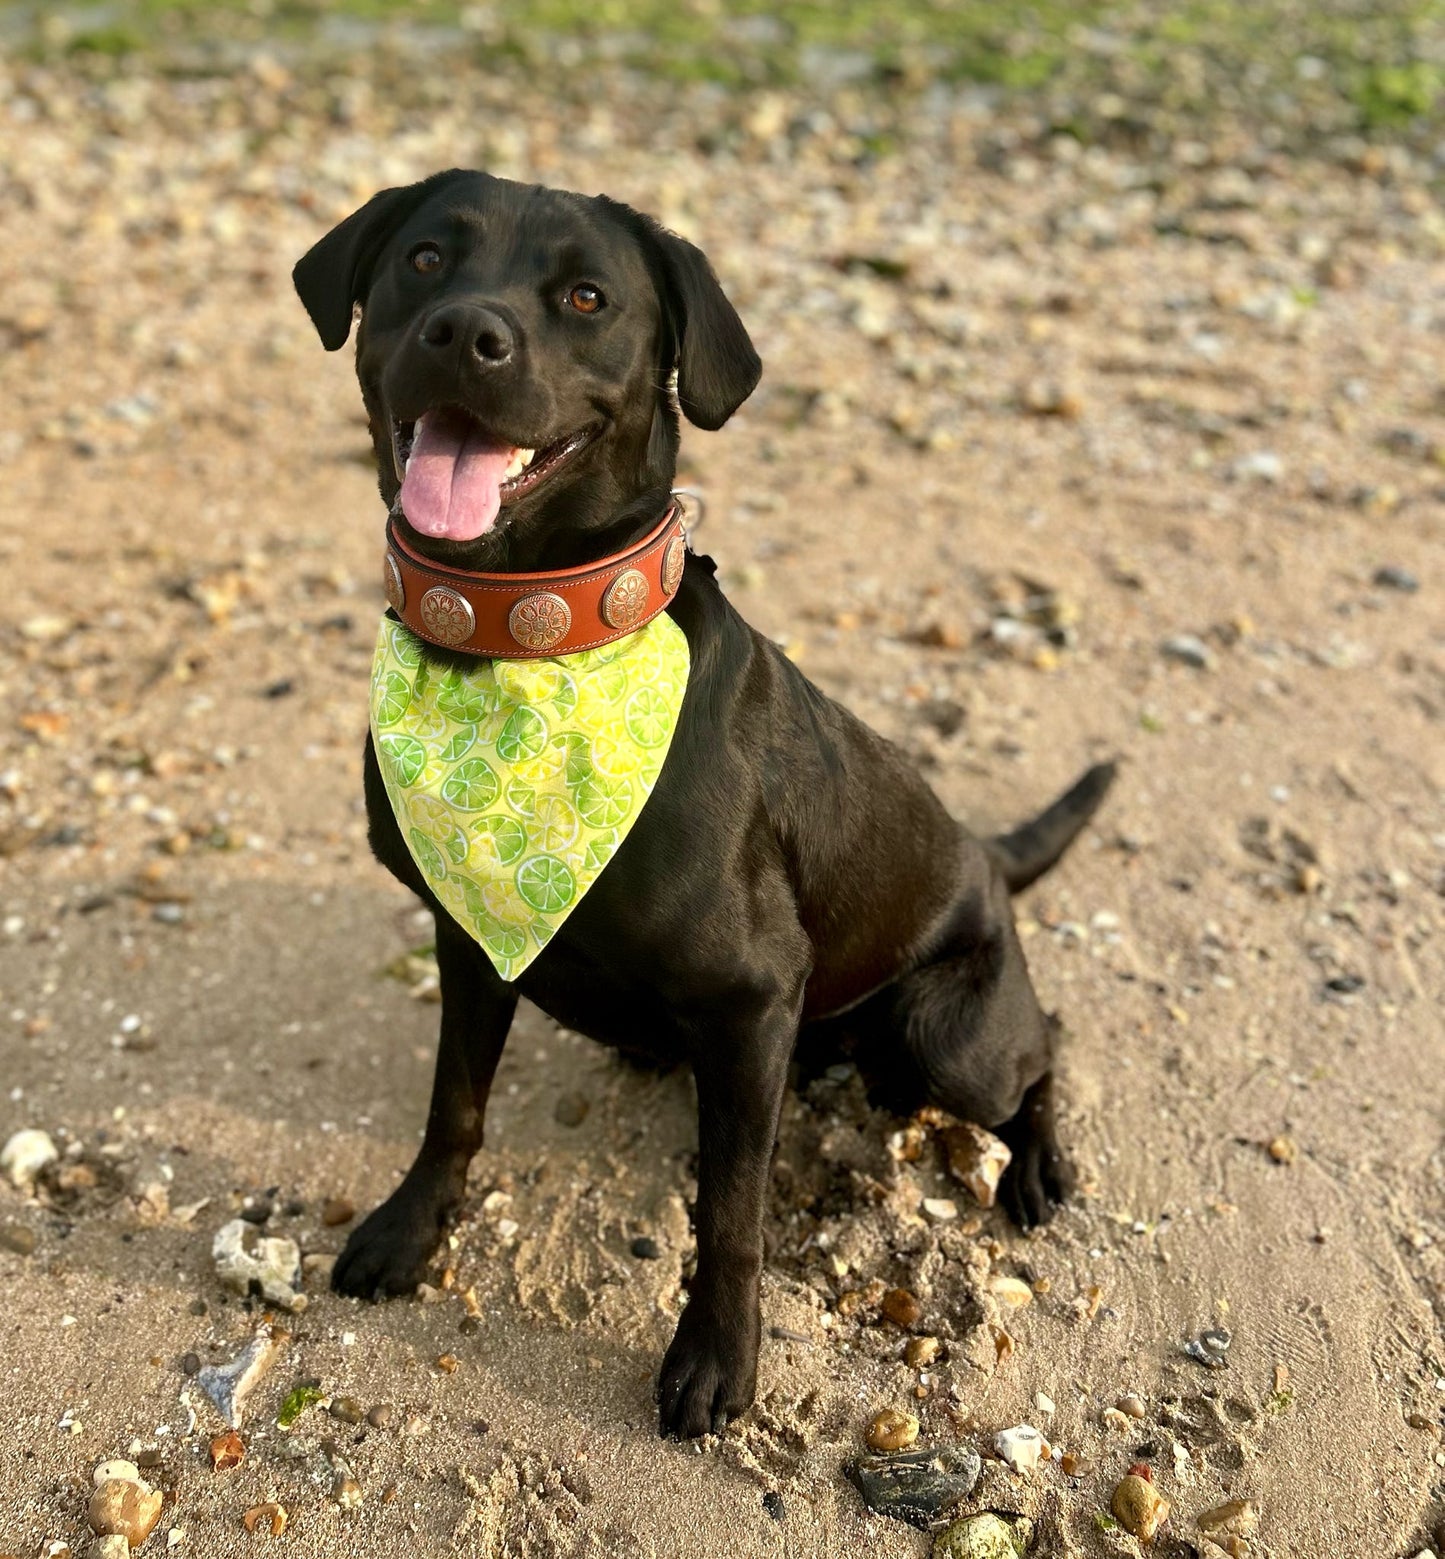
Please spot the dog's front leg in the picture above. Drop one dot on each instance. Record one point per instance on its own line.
(710, 1372)
(388, 1253)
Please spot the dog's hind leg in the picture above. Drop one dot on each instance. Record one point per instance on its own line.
(388, 1253)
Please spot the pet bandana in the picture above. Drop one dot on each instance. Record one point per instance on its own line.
(514, 781)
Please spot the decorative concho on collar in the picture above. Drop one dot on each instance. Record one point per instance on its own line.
(516, 616)
(515, 780)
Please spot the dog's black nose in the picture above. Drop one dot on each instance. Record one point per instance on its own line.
(469, 327)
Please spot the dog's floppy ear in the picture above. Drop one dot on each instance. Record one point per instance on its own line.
(335, 273)
(717, 367)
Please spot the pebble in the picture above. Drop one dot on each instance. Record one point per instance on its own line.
(190, 1364)
(15, 1237)
(127, 1507)
(345, 1410)
(1013, 1292)
(248, 1261)
(921, 1352)
(1283, 1150)
(1210, 1348)
(115, 1546)
(336, 1211)
(229, 1385)
(571, 1109)
(25, 1154)
(941, 1209)
(1263, 465)
(1236, 1518)
(1139, 1507)
(645, 1248)
(918, 1487)
(1392, 577)
(891, 1430)
(1189, 650)
(346, 1491)
(1022, 1447)
(1131, 1406)
(118, 1469)
(985, 1536)
(773, 1504)
(381, 1416)
(902, 1307)
(978, 1159)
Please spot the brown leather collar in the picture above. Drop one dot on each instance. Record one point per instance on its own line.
(529, 616)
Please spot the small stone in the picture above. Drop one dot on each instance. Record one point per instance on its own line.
(1116, 1422)
(901, 1307)
(940, 1208)
(773, 1505)
(1392, 577)
(1263, 465)
(381, 1416)
(1046, 398)
(227, 1451)
(1131, 1406)
(257, 1209)
(271, 1517)
(918, 1487)
(115, 1546)
(1045, 1404)
(336, 1211)
(1022, 1447)
(190, 1364)
(126, 1507)
(985, 1536)
(921, 1352)
(18, 1239)
(1236, 1518)
(1283, 1150)
(1013, 1292)
(229, 1385)
(1210, 1348)
(571, 1109)
(346, 1491)
(1139, 1507)
(1189, 650)
(118, 1469)
(891, 1430)
(248, 1261)
(977, 1158)
(447, 1363)
(645, 1248)
(24, 1155)
(1075, 1466)
(345, 1410)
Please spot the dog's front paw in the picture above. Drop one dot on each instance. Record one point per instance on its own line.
(711, 1370)
(1037, 1183)
(388, 1252)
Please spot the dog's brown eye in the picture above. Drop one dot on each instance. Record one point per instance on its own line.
(585, 298)
(426, 258)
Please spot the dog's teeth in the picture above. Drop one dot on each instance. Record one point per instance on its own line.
(527, 456)
(519, 462)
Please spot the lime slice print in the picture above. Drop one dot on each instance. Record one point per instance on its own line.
(459, 698)
(604, 803)
(554, 824)
(599, 851)
(426, 855)
(576, 757)
(464, 738)
(614, 753)
(471, 786)
(402, 758)
(523, 736)
(649, 717)
(393, 695)
(521, 798)
(497, 841)
(405, 645)
(546, 884)
(507, 942)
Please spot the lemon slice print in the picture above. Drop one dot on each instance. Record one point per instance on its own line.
(471, 786)
(532, 681)
(546, 883)
(554, 824)
(543, 770)
(649, 717)
(503, 901)
(614, 753)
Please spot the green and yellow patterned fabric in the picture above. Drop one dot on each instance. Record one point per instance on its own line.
(514, 781)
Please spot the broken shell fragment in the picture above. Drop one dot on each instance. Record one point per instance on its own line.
(917, 1486)
(227, 1450)
(24, 1155)
(978, 1159)
(1139, 1507)
(1210, 1348)
(1022, 1447)
(228, 1385)
(251, 1262)
(273, 1516)
(1235, 1518)
(1013, 1292)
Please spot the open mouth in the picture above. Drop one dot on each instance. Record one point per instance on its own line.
(455, 477)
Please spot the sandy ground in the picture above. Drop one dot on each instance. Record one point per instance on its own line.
(1029, 412)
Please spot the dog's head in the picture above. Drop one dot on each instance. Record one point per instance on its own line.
(516, 354)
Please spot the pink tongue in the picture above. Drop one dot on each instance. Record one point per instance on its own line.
(453, 482)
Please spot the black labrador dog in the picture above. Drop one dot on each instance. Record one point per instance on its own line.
(790, 864)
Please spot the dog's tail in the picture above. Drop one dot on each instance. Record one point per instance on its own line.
(1028, 852)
